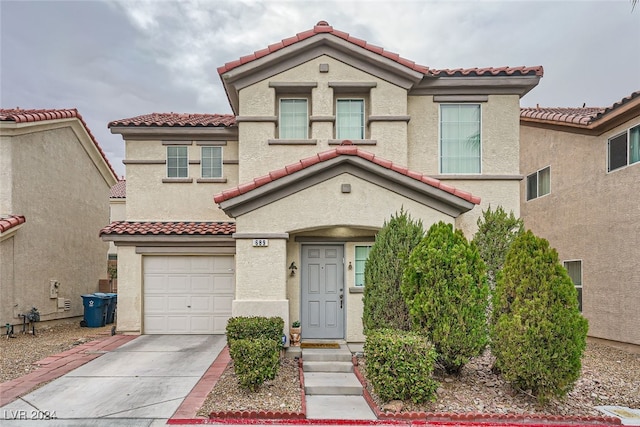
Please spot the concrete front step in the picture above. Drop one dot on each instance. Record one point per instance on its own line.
(330, 366)
(326, 355)
(338, 408)
(325, 383)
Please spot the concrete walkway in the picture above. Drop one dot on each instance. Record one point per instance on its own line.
(139, 383)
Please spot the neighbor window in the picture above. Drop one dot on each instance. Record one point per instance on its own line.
(362, 253)
(294, 119)
(539, 183)
(460, 138)
(350, 119)
(624, 149)
(574, 268)
(177, 162)
(211, 162)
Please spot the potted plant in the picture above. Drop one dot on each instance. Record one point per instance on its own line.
(294, 333)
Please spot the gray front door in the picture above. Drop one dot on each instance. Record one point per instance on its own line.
(322, 295)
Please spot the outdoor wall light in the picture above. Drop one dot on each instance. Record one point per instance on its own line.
(293, 268)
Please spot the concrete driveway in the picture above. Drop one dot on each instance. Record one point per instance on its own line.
(140, 383)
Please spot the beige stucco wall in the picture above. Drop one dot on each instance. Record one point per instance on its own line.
(55, 184)
(117, 212)
(149, 199)
(257, 157)
(593, 216)
(500, 117)
(129, 290)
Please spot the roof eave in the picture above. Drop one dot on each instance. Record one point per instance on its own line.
(476, 85)
(160, 132)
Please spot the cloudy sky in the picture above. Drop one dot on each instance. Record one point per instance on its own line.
(118, 59)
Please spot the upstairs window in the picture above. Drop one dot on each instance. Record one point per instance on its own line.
(362, 253)
(177, 162)
(574, 268)
(350, 119)
(294, 118)
(211, 162)
(460, 145)
(539, 183)
(624, 149)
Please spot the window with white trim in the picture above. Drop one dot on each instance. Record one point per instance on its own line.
(574, 268)
(294, 118)
(211, 162)
(623, 149)
(362, 253)
(350, 119)
(460, 139)
(177, 162)
(539, 183)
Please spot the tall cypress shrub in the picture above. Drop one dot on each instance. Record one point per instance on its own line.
(446, 291)
(384, 306)
(538, 335)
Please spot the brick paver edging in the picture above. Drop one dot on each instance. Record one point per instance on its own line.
(477, 417)
(53, 367)
(239, 416)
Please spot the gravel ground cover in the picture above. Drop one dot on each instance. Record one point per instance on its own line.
(19, 354)
(609, 377)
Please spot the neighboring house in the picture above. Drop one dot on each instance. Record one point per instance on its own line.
(582, 193)
(329, 137)
(54, 187)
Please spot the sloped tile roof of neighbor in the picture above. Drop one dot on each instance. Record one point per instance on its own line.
(119, 191)
(347, 149)
(323, 27)
(578, 116)
(177, 120)
(9, 221)
(169, 228)
(18, 115)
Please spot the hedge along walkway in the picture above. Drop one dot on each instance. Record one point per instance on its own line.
(55, 366)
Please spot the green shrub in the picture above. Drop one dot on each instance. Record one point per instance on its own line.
(538, 334)
(255, 360)
(255, 327)
(400, 365)
(446, 291)
(384, 306)
(496, 232)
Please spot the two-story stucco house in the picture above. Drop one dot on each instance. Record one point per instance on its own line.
(54, 199)
(272, 210)
(582, 193)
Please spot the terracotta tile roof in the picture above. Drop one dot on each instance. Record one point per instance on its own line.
(347, 149)
(580, 116)
(178, 119)
(169, 228)
(19, 115)
(323, 27)
(494, 71)
(119, 191)
(9, 221)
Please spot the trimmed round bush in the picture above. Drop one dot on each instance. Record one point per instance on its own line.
(400, 365)
(255, 361)
(446, 290)
(538, 335)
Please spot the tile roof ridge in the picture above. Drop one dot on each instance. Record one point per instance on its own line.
(19, 115)
(177, 119)
(346, 148)
(321, 27)
(537, 70)
(9, 221)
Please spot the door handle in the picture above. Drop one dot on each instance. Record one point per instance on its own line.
(341, 298)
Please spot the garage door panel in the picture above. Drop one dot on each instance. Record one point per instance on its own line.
(187, 294)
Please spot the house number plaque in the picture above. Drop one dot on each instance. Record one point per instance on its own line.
(260, 242)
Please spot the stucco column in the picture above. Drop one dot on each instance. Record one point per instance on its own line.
(129, 290)
(261, 276)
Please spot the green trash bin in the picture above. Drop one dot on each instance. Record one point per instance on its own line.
(95, 310)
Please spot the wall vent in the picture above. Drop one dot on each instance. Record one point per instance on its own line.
(64, 303)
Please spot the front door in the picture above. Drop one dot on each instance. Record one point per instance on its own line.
(322, 295)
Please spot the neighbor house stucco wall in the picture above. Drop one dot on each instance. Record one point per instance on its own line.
(64, 197)
(151, 199)
(589, 215)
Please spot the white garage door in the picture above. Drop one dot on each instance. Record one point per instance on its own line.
(187, 294)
